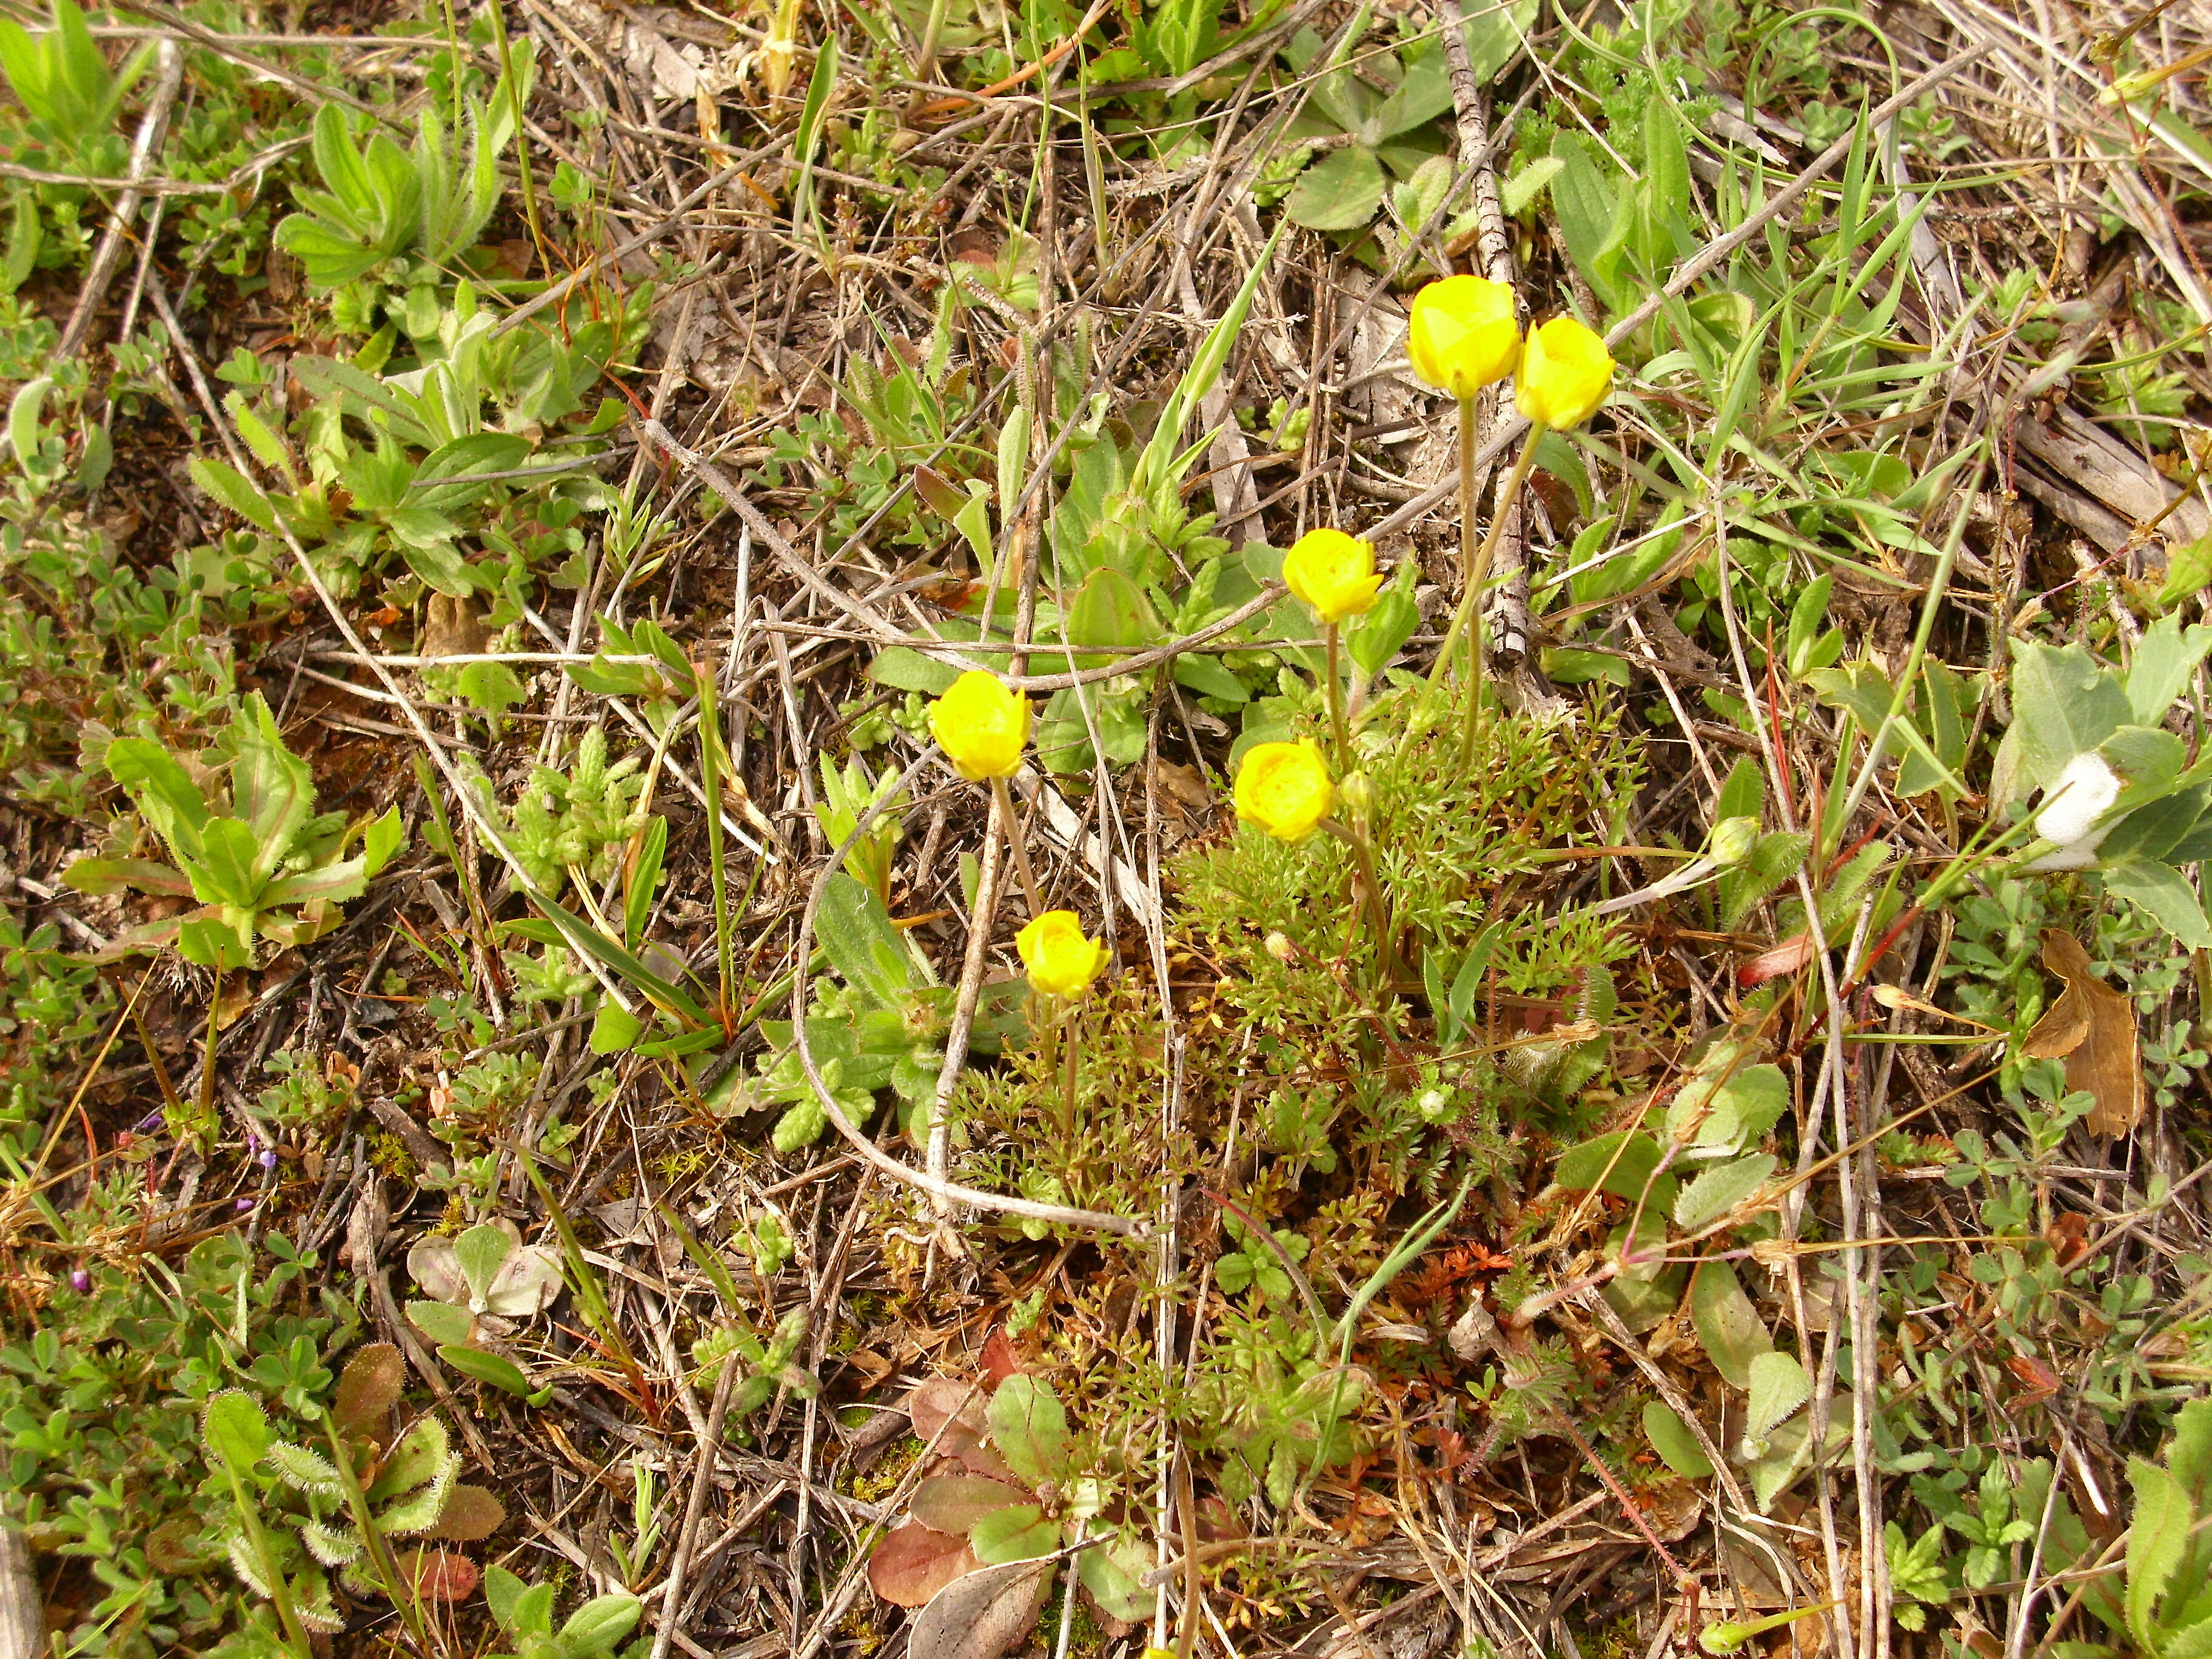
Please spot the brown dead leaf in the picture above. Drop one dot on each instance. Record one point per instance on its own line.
(2093, 1027)
(930, 1404)
(1787, 957)
(933, 1406)
(998, 1361)
(914, 1562)
(981, 1616)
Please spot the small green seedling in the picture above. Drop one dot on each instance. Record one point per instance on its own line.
(477, 1284)
(259, 861)
(1013, 1494)
(1729, 1635)
(524, 1612)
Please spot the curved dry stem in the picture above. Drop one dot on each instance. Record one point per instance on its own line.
(948, 1192)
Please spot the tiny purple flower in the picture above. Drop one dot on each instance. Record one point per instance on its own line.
(269, 1158)
(244, 1205)
(148, 1124)
(80, 1281)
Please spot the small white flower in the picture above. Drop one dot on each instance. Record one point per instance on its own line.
(2075, 799)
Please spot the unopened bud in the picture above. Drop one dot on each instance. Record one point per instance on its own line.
(1280, 946)
(1356, 795)
(1734, 840)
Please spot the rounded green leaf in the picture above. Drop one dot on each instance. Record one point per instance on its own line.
(236, 1430)
(1029, 1428)
(1720, 1190)
(1020, 1532)
(1727, 1323)
(1778, 1387)
(1671, 1439)
(1341, 192)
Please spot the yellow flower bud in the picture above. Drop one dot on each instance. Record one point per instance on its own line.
(1335, 574)
(981, 727)
(1284, 789)
(1061, 961)
(1463, 335)
(1563, 376)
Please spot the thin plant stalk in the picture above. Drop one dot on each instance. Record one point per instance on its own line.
(1338, 726)
(1003, 800)
(1378, 909)
(710, 781)
(1067, 1062)
(382, 1563)
(925, 61)
(591, 1297)
(521, 137)
(1477, 565)
(207, 1049)
(256, 1537)
(1471, 601)
(1469, 567)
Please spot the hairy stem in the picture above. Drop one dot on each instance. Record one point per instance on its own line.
(1479, 573)
(1337, 725)
(1011, 827)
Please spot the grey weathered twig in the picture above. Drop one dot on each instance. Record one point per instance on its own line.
(153, 127)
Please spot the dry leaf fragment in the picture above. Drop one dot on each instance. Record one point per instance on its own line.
(2093, 1027)
(982, 1614)
(451, 627)
(914, 1562)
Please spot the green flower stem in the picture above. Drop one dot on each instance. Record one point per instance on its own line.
(1338, 726)
(1003, 799)
(1067, 1062)
(1470, 579)
(383, 1564)
(1471, 600)
(256, 1537)
(1478, 566)
(1378, 907)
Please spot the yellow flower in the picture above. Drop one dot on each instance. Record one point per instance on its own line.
(1463, 335)
(981, 727)
(1284, 789)
(1333, 573)
(1061, 962)
(1563, 375)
